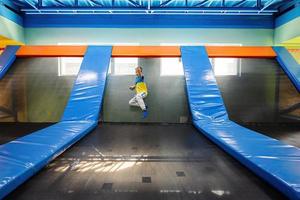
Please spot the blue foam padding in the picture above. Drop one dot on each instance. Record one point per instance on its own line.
(7, 57)
(87, 95)
(22, 158)
(289, 65)
(272, 160)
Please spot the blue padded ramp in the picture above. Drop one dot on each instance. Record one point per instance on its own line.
(274, 161)
(86, 97)
(7, 58)
(289, 65)
(22, 158)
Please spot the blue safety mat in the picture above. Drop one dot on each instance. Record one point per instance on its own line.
(87, 95)
(22, 158)
(289, 65)
(7, 58)
(274, 161)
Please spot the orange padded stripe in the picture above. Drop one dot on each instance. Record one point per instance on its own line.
(51, 51)
(241, 52)
(146, 51)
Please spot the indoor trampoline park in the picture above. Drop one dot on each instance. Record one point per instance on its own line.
(150, 99)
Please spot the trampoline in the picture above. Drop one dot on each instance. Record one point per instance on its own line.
(174, 154)
(11, 130)
(34, 93)
(259, 95)
(145, 161)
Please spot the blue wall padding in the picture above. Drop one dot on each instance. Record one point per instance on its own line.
(7, 57)
(23, 157)
(87, 95)
(274, 161)
(147, 21)
(289, 65)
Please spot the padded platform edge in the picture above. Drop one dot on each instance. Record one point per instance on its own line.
(7, 58)
(289, 65)
(22, 158)
(87, 95)
(272, 160)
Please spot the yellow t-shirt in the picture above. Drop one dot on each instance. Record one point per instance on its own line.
(140, 85)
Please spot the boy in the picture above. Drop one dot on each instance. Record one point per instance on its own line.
(141, 91)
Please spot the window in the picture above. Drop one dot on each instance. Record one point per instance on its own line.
(171, 67)
(69, 66)
(225, 66)
(123, 66)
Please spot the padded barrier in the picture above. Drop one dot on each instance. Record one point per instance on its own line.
(289, 65)
(87, 95)
(7, 58)
(22, 158)
(272, 160)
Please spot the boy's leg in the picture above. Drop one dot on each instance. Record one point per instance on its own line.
(140, 100)
(133, 102)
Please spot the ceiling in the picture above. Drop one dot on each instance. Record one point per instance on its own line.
(185, 7)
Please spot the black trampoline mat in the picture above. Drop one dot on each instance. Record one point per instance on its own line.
(12, 130)
(287, 133)
(145, 161)
(260, 96)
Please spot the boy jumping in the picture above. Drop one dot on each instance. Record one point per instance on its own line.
(141, 91)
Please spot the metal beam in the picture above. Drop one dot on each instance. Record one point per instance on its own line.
(148, 4)
(40, 3)
(165, 3)
(286, 6)
(31, 4)
(201, 3)
(59, 2)
(290, 109)
(110, 12)
(269, 3)
(152, 10)
(13, 5)
(258, 3)
(96, 2)
(166, 9)
(134, 3)
(239, 3)
(223, 3)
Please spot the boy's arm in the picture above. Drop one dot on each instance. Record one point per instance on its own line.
(132, 87)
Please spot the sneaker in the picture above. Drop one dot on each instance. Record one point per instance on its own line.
(145, 114)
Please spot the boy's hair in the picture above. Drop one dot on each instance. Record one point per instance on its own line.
(140, 68)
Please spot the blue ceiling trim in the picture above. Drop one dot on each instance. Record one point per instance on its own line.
(148, 21)
(11, 15)
(287, 17)
(266, 5)
(10, 4)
